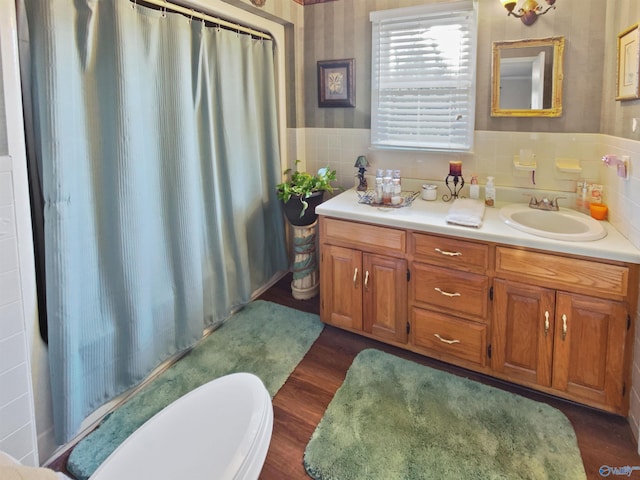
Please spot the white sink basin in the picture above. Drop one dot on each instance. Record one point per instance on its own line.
(563, 224)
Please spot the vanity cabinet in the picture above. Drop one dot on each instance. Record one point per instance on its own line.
(572, 344)
(362, 290)
(559, 323)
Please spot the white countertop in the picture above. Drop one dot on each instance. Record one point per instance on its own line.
(429, 216)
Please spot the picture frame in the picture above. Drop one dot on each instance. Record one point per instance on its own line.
(336, 84)
(628, 85)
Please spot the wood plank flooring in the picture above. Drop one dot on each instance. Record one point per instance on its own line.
(604, 439)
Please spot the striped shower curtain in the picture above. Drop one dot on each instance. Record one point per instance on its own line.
(156, 138)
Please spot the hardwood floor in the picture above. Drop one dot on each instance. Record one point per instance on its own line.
(604, 439)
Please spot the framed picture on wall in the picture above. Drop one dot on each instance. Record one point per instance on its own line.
(336, 83)
(628, 87)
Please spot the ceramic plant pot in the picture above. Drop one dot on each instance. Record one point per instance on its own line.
(293, 208)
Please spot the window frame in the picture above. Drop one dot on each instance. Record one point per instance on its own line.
(430, 13)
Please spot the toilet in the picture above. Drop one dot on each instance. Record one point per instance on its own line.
(220, 430)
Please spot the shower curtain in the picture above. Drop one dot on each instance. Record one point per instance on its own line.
(156, 138)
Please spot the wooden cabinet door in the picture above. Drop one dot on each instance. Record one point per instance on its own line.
(385, 297)
(589, 348)
(341, 287)
(523, 330)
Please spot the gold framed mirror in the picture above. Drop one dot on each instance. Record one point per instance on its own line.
(526, 78)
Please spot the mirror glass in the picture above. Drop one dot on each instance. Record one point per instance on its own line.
(527, 78)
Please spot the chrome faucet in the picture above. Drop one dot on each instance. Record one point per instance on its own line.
(544, 203)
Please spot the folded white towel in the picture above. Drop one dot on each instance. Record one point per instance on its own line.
(466, 212)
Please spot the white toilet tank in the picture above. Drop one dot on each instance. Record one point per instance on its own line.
(220, 430)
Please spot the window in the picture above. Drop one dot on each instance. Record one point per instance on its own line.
(423, 79)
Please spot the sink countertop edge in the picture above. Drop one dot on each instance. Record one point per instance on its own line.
(429, 217)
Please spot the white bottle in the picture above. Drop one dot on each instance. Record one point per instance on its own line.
(379, 186)
(474, 188)
(489, 193)
(396, 194)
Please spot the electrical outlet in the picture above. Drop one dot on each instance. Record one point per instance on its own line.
(634, 124)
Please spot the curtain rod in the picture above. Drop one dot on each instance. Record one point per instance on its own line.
(203, 16)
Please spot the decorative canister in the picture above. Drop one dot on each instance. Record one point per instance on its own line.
(429, 192)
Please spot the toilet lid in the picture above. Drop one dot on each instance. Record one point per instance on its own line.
(209, 433)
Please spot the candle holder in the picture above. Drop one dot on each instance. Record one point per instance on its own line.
(458, 183)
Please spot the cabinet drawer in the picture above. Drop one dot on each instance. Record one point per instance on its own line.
(362, 236)
(460, 293)
(449, 336)
(450, 252)
(554, 271)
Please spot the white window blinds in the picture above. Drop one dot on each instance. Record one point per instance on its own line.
(423, 79)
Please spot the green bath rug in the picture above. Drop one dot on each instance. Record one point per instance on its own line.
(396, 419)
(264, 338)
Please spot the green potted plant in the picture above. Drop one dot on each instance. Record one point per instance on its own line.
(303, 192)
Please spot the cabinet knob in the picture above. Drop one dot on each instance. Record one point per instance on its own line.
(564, 326)
(546, 323)
(355, 277)
(366, 280)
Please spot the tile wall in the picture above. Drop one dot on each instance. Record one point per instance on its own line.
(4, 148)
(623, 198)
(493, 155)
(17, 283)
(17, 422)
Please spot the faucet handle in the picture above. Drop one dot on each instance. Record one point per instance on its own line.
(533, 201)
(554, 202)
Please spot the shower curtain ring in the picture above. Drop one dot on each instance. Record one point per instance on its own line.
(164, 9)
(191, 17)
(134, 4)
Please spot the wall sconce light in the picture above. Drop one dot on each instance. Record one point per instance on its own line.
(529, 10)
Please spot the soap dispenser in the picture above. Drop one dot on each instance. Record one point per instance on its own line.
(490, 193)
